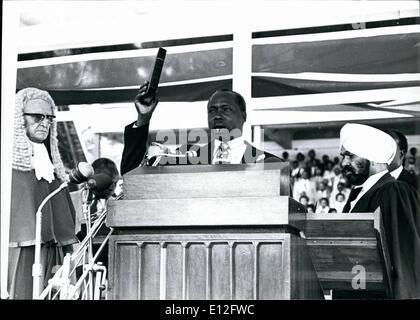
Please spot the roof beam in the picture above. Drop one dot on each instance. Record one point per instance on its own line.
(334, 98)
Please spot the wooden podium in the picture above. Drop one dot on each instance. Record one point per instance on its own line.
(347, 247)
(209, 232)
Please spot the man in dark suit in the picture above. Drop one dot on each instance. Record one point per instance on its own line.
(396, 168)
(226, 115)
(366, 151)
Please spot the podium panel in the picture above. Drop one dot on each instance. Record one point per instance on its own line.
(279, 210)
(202, 181)
(211, 264)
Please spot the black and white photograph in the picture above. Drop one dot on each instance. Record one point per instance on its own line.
(210, 150)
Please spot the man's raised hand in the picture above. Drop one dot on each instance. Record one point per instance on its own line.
(144, 105)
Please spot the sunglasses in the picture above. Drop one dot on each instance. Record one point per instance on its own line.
(39, 117)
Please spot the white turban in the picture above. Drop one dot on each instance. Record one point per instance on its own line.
(368, 143)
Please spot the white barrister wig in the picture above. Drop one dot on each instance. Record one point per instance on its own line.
(368, 143)
(22, 147)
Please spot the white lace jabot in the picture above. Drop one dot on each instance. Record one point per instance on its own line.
(41, 162)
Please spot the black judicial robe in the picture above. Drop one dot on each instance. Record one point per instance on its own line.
(57, 231)
(400, 211)
(135, 140)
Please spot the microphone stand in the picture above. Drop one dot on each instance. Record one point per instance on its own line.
(159, 156)
(86, 213)
(37, 266)
(163, 152)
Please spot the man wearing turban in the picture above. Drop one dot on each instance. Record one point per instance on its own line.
(366, 153)
(37, 171)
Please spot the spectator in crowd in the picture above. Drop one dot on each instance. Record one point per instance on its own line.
(317, 178)
(37, 171)
(313, 163)
(336, 161)
(341, 188)
(285, 156)
(340, 201)
(301, 160)
(329, 174)
(322, 192)
(338, 178)
(296, 171)
(325, 160)
(323, 206)
(311, 208)
(413, 164)
(106, 166)
(304, 200)
(97, 197)
(304, 186)
(396, 168)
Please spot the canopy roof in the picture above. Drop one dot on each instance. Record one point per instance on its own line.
(357, 54)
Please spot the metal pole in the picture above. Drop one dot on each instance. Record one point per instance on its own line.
(37, 266)
(86, 212)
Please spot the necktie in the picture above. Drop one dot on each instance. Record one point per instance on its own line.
(353, 195)
(222, 154)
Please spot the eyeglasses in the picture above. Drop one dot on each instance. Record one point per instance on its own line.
(39, 117)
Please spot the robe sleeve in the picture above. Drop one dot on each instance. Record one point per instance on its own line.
(400, 208)
(135, 140)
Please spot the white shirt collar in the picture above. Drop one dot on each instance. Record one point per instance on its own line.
(367, 185)
(397, 172)
(372, 180)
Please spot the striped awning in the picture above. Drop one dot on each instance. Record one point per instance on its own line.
(282, 69)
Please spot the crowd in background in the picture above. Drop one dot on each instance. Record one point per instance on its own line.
(319, 185)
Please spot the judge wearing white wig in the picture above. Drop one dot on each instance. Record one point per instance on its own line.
(366, 151)
(37, 171)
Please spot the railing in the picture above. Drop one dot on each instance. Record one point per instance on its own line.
(93, 281)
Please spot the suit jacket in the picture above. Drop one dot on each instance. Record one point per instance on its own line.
(135, 140)
(408, 178)
(400, 213)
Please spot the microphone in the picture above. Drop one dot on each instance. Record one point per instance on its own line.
(154, 159)
(99, 182)
(160, 150)
(187, 154)
(147, 97)
(81, 173)
(191, 154)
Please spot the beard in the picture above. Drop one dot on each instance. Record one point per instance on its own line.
(359, 176)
